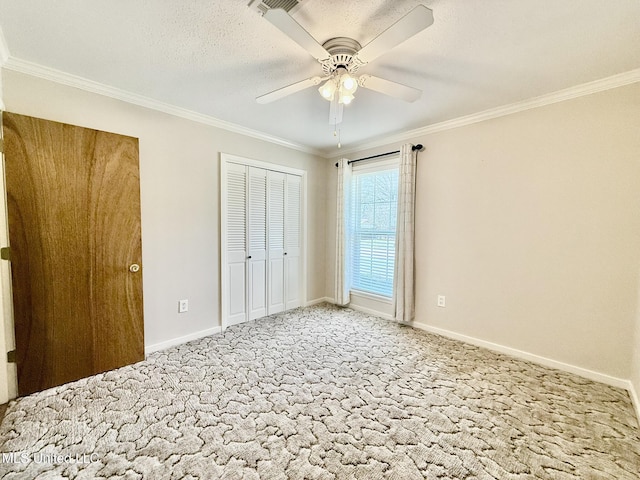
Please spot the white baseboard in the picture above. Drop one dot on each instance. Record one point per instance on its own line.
(513, 352)
(180, 340)
(318, 300)
(369, 311)
(366, 310)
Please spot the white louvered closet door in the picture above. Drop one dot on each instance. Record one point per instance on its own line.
(293, 241)
(276, 287)
(235, 268)
(262, 254)
(257, 242)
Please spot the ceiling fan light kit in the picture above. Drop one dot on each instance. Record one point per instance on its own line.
(346, 99)
(342, 57)
(340, 83)
(328, 90)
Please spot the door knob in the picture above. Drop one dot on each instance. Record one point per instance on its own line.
(134, 268)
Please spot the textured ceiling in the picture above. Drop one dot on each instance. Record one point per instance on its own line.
(214, 57)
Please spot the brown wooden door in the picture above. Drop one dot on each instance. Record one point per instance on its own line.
(73, 198)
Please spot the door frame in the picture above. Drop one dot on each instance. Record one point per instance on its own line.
(225, 160)
(8, 371)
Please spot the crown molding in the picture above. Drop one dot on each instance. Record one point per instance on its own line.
(36, 70)
(30, 68)
(608, 83)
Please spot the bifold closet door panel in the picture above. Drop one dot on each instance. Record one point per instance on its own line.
(235, 269)
(276, 207)
(263, 266)
(293, 242)
(257, 241)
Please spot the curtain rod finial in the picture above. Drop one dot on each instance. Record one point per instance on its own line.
(418, 147)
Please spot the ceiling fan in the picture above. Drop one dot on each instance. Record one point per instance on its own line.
(341, 57)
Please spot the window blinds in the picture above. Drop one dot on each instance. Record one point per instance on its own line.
(372, 225)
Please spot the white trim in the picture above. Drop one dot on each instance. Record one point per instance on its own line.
(370, 311)
(30, 68)
(608, 83)
(372, 165)
(222, 286)
(250, 162)
(305, 238)
(318, 300)
(372, 296)
(634, 399)
(148, 349)
(513, 352)
(9, 375)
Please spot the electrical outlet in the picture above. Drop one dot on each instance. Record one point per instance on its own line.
(442, 301)
(183, 306)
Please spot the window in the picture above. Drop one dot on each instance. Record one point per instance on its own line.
(372, 225)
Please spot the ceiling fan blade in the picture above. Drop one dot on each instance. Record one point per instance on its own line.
(335, 111)
(412, 23)
(289, 89)
(393, 89)
(287, 25)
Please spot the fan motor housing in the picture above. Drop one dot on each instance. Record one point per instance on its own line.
(342, 50)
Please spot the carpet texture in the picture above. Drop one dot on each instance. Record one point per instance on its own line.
(324, 393)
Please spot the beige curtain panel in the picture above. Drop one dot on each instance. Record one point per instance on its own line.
(341, 294)
(405, 236)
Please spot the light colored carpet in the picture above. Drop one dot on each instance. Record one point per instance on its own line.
(324, 393)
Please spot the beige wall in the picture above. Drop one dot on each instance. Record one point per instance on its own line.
(530, 225)
(527, 223)
(179, 182)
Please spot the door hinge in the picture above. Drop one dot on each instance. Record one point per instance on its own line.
(5, 253)
(11, 356)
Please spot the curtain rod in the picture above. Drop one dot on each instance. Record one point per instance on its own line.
(414, 148)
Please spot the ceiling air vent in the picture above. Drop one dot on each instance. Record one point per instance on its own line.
(261, 6)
